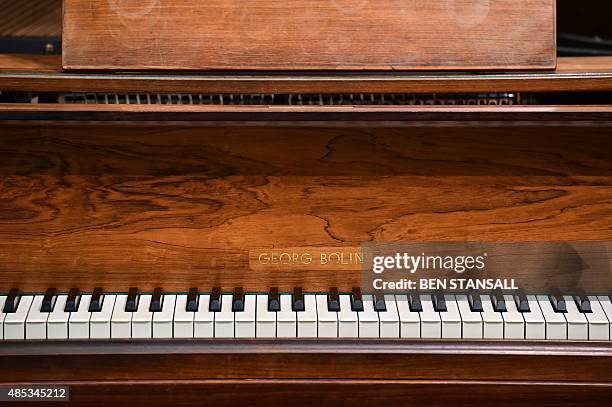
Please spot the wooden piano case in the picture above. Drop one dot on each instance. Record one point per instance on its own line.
(179, 195)
(382, 35)
(277, 373)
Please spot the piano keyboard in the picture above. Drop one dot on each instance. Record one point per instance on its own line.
(133, 315)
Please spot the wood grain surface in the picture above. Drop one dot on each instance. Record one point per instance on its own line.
(182, 206)
(31, 18)
(275, 115)
(44, 74)
(260, 372)
(311, 34)
(29, 63)
(333, 392)
(52, 361)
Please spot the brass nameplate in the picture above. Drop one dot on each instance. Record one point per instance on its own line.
(306, 258)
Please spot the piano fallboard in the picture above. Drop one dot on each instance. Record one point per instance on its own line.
(120, 203)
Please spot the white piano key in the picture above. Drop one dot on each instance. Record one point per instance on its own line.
(451, 319)
(224, 319)
(492, 321)
(431, 324)
(368, 319)
(286, 318)
(514, 323)
(183, 319)
(389, 319)
(15, 323)
(606, 305)
(266, 320)
(327, 320)
(471, 322)
(245, 320)
(535, 325)
(78, 323)
(100, 325)
(599, 326)
(2, 315)
(36, 322)
(142, 319)
(57, 323)
(307, 319)
(121, 321)
(204, 320)
(348, 320)
(162, 320)
(410, 322)
(577, 324)
(556, 325)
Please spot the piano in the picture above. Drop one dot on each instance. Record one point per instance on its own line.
(179, 233)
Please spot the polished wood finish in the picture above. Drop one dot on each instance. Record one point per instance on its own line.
(572, 74)
(311, 35)
(334, 392)
(260, 372)
(28, 64)
(307, 359)
(30, 18)
(279, 115)
(178, 207)
(338, 392)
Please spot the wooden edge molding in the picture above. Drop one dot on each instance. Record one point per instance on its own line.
(44, 74)
(305, 346)
(177, 360)
(41, 112)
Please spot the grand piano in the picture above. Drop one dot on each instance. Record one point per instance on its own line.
(186, 190)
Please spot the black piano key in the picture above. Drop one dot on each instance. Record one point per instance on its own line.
(498, 301)
(192, 300)
(357, 300)
(475, 301)
(215, 300)
(156, 300)
(72, 302)
(12, 300)
(238, 300)
(583, 302)
(439, 302)
(48, 300)
(274, 300)
(414, 302)
(333, 300)
(558, 302)
(95, 305)
(379, 303)
(298, 300)
(522, 303)
(132, 300)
